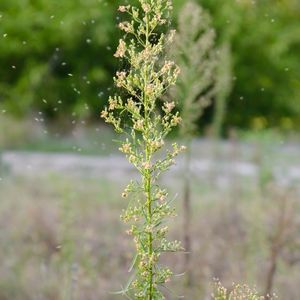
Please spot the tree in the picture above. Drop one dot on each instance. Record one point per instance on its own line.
(49, 55)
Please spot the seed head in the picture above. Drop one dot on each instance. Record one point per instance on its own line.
(122, 8)
(146, 7)
(146, 165)
(121, 50)
(126, 26)
(104, 113)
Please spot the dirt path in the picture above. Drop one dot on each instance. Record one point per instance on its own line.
(224, 170)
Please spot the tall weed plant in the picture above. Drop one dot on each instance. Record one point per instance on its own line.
(145, 120)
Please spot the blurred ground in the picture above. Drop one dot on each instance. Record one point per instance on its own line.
(61, 237)
(224, 159)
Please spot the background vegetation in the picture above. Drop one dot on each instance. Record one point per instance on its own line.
(56, 57)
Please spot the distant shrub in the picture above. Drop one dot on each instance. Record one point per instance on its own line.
(15, 132)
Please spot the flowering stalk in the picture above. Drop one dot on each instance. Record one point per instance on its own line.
(137, 115)
(194, 51)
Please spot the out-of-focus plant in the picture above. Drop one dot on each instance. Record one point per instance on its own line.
(135, 113)
(48, 56)
(55, 56)
(195, 54)
(14, 132)
(283, 234)
(237, 292)
(266, 60)
(223, 87)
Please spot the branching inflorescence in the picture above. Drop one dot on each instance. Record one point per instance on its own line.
(142, 115)
(195, 52)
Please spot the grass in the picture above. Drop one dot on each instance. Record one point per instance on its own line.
(61, 238)
(53, 232)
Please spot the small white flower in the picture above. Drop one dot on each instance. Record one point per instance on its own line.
(121, 50)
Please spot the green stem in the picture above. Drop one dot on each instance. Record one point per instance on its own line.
(187, 213)
(148, 181)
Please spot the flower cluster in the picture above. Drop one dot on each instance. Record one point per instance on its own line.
(121, 50)
(145, 82)
(238, 292)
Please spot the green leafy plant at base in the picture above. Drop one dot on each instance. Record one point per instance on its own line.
(136, 114)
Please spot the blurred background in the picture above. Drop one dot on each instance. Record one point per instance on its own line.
(61, 174)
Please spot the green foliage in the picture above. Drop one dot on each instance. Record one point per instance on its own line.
(41, 42)
(265, 42)
(136, 114)
(54, 55)
(15, 133)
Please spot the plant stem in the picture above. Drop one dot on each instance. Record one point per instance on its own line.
(148, 183)
(147, 179)
(187, 214)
